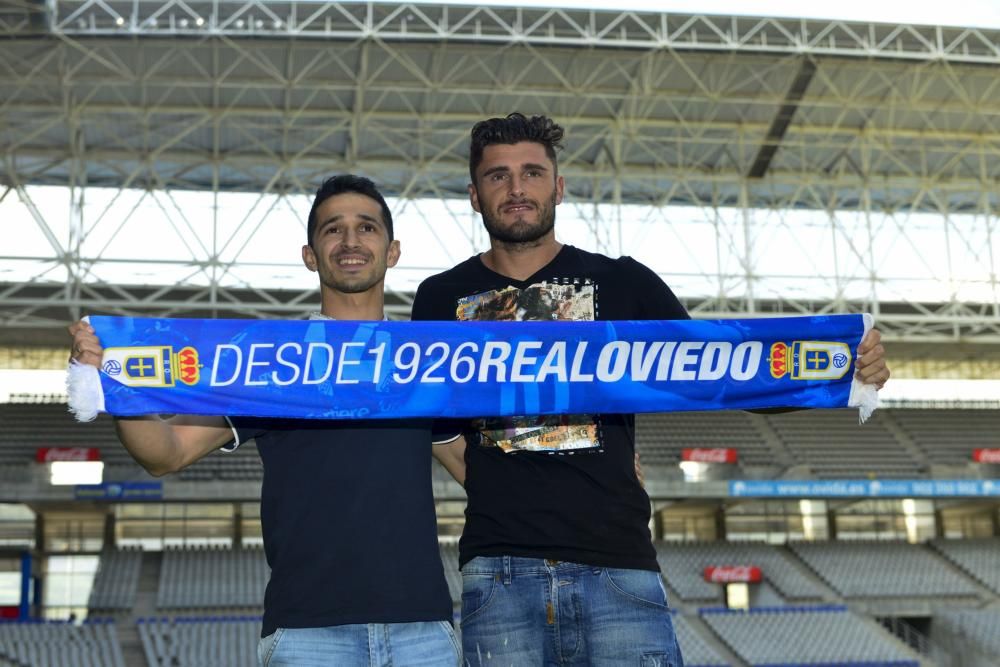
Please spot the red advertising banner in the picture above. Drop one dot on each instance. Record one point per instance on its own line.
(49, 454)
(716, 455)
(986, 455)
(9, 612)
(728, 574)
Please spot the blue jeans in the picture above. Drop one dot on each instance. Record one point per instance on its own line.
(431, 644)
(529, 611)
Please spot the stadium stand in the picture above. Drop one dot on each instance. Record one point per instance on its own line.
(59, 644)
(683, 566)
(215, 581)
(827, 635)
(205, 578)
(979, 627)
(117, 579)
(828, 444)
(663, 436)
(200, 641)
(28, 426)
(895, 443)
(980, 558)
(242, 464)
(863, 568)
(696, 651)
(947, 437)
(832, 445)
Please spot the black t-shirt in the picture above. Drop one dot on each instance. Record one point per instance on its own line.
(350, 533)
(560, 487)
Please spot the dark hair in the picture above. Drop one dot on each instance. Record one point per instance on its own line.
(338, 185)
(513, 129)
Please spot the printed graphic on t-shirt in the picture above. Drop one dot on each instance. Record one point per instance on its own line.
(570, 299)
(548, 433)
(542, 301)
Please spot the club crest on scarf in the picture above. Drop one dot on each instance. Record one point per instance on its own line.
(152, 366)
(810, 360)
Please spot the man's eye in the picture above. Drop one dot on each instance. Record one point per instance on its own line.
(532, 173)
(368, 228)
(498, 177)
(332, 230)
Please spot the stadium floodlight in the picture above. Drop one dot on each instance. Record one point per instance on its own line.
(65, 473)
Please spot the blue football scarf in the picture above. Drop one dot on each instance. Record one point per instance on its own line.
(327, 369)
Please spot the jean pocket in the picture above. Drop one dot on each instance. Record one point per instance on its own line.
(477, 592)
(640, 586)
(266, 647)
(453, 638)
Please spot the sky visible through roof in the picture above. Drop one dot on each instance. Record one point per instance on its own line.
(967, 13)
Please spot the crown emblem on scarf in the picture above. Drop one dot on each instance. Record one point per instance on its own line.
(810, 360)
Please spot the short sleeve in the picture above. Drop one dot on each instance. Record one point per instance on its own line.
(432, 302)
(658, 300)
(244, 429)
(421, 304)
(445, 431)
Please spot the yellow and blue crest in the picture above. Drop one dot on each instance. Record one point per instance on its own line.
(152, 366)
(810, 360)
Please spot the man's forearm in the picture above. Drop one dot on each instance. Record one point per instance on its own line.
(150, 440)
(163, 446)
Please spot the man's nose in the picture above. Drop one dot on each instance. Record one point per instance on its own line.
(516, 186)
(351, 239)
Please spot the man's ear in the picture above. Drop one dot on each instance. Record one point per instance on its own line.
(474, 198)
(309, 257)
(560, 184)
(392, 255)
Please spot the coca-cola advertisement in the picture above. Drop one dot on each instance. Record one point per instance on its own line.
(709, 455)
(986, 455)
(49, 454)
(728, 574)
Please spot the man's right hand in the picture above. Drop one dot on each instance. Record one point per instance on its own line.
(160, 446)
(86, 346)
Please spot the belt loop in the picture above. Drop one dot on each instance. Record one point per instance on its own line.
(506, 570)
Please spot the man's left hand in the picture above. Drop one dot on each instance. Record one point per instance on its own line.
(870, 367)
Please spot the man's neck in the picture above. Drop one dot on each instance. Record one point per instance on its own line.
(365, 306)
(520, 261)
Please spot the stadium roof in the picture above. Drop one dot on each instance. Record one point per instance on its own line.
(661, 110)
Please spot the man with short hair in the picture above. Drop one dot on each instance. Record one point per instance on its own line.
(557, 560)
(347, 507)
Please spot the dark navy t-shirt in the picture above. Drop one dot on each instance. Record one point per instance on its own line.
(348, 518)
